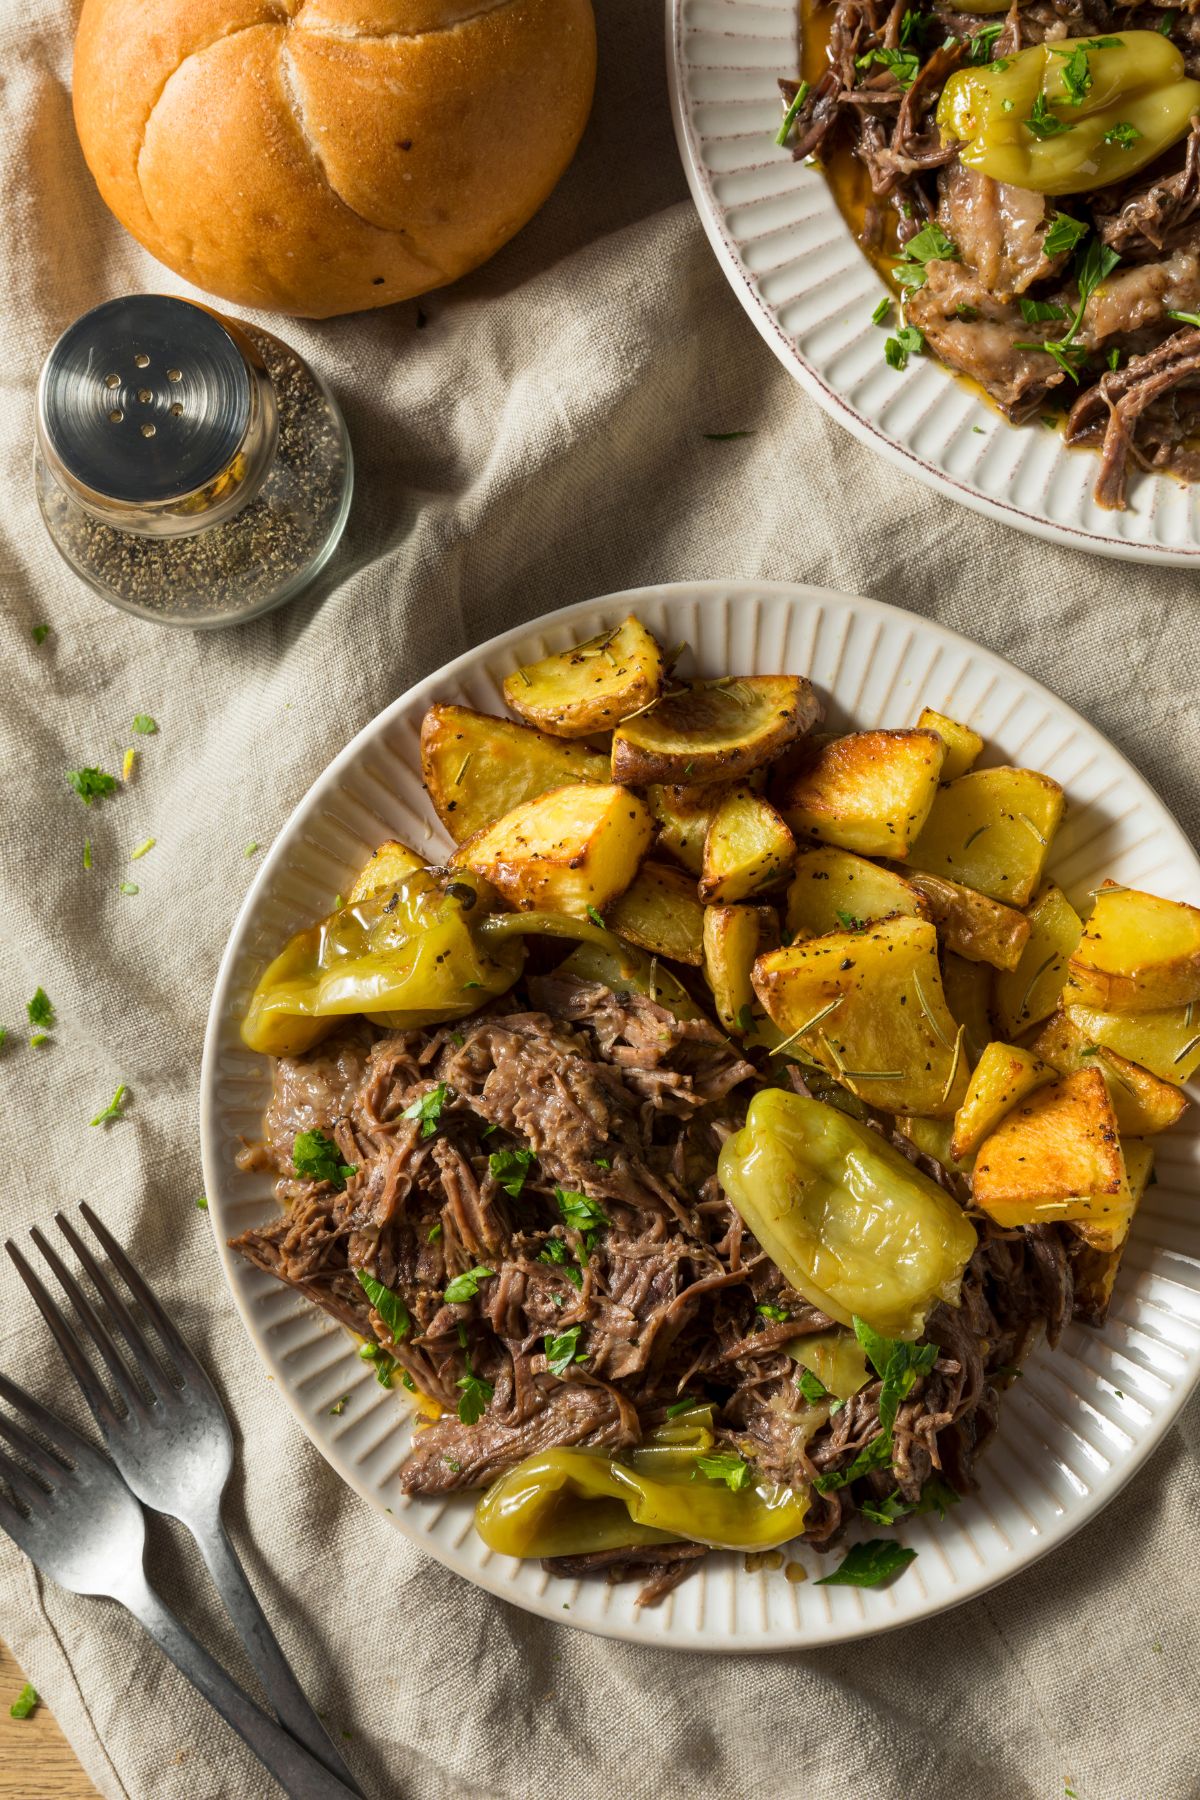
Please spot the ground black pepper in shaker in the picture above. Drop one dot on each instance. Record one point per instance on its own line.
(193, 470)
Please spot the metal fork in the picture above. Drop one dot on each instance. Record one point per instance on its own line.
(175, 1451)
(75, 1518)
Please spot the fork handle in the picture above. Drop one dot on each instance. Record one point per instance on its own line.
(299, 1775)
(271, 1665)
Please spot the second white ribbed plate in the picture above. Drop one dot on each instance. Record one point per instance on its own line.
(1084, 1417)
(806, 284)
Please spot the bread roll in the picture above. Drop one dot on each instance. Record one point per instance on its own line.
(320, 156)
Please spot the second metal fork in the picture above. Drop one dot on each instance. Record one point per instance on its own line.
(175, 1451)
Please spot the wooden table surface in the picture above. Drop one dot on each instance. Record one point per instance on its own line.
(36, 1762)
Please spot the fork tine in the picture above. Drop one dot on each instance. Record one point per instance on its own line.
(49, 1466)
(92, 1323)
(22, 1484)
(184, 1361)
(91, 1386)
(140, 1349)
(65, 1439)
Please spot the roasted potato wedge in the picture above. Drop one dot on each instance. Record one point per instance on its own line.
(968, 987)
(388, 867)
(571, 850)
(870, 791)
(713, 730)
(991, 830)
(868, 1006)
(478, 768)
(1143, 1104)
(1031, 991)
(747, 848)
(1003, 1075)
(592, 687)
(1167, 1043)
(834, 890)
(733, 937)
(970, 924)
(1094, 1273)
(1111, 1228)
(1137, 954)
(962, 744)
(932, 1137)
(659, 912)
(1055, 1155)
(683, 816)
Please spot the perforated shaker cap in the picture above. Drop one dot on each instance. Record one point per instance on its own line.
(145, 400)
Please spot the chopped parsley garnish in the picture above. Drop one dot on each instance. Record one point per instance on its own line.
(24, 1703)
(886, 1512)
(406, 1381)
(728, 1467)
(129, 887)
(745, 1019)
(428, 1109)
(389, 1306)
(87, 853)
(770, 1311)
(882, 310)
(866, 1565)
(1042, 123)
(812, 1388)
(1091, 267)
(509, 1168)
(903, 65)
(1185, 318)
(434, 1233)
(983, 43)
(602, 1162)
(41, 1011)
(1122, 133)
(1114, 358)
(39, 1038)
(143, 849)
(144, 725)
(40, 633)
(1166, 24)
(847, 921)
(476, 1394)
(112, 1110)
(316, 1157)
(898, 1364)
(1076, 75)
(338, 1407)
(680, 1406)
(930, 244)
(907, 342)
(789, 117)
(1034, 311)
(202, 1203)
(466, 1285)
(596, 918)
(91, 784)
(251, 850)
(555, 1251)
(581, 1214)
(563, 1350)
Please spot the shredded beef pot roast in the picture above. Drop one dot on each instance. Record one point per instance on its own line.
(619, 1100)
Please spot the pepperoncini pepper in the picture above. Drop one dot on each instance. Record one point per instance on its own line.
(848, 1220)
(570, 1502)
(1066, 117)
(406, 957)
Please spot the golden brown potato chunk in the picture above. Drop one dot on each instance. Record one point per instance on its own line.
(1137, 953)
(1167, 1043)
(572, 850)
(477, 768)
(747, 848)
(592, 687)
(968, 989)
(659, 912)
(1109, 1231)
(1056, 1155)
(962, 744)
(733, 937)
(1031, 991)
(992, 830)
(1143, 1104)
(970, 924)
(1003, 1075)
(713, 730)
(870, 792)
(868, 1006)
(833, 890)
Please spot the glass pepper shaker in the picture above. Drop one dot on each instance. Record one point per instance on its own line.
(193, 470)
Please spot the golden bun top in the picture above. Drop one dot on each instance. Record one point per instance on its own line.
(322, 156)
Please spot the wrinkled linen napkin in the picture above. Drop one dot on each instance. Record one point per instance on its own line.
(539, 440)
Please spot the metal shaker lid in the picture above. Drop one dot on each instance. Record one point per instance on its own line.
(145, 400)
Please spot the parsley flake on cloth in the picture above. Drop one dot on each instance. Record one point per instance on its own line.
(113, 1109)
(91, 784)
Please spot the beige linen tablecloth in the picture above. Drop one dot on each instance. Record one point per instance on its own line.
(539, 441)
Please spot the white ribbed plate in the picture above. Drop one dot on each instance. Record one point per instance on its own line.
(1082, 1419)
(797, 270)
